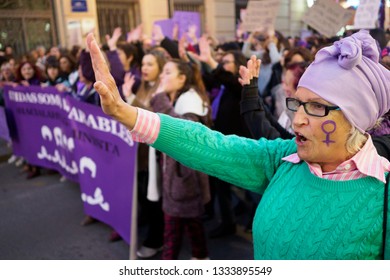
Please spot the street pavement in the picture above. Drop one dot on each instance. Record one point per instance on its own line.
(40, 219)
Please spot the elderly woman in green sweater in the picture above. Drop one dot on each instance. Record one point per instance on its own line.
(322, 191)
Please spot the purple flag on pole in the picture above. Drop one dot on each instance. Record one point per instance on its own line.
(55, 131)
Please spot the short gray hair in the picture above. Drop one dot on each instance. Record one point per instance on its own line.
(355, 141)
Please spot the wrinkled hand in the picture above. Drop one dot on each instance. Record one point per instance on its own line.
(105, 85)
(112, 40)
(128, 84)
(251, 70)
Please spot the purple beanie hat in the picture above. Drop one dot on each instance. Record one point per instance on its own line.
(348, 74)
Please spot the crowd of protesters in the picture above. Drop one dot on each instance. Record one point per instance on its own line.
(200, 81)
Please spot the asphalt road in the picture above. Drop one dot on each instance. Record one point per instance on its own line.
(40, 220)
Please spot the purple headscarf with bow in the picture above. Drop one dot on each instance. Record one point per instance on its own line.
(348, 74)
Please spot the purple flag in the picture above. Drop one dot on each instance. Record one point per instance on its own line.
(55, 131)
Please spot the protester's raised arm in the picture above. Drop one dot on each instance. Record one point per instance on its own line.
(111, 101)
(113, 39)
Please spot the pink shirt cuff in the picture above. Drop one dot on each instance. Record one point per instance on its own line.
(146, 127)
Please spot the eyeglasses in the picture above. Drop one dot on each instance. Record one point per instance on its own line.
(311, 108)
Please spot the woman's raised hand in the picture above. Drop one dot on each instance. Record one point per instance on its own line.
(205, 53)
(134, 35)
(105, 84)
(110, 99)
(205, 50)
(251, 70)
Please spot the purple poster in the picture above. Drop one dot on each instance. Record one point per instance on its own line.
(55, 131)
(189, 23)
(166, 26)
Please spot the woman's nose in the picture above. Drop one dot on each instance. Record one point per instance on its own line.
(300, 117)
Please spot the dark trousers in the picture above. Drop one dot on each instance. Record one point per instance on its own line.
(173, 236)
(223, 192)
(151, 214)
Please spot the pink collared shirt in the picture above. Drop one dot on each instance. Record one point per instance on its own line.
(366, 162)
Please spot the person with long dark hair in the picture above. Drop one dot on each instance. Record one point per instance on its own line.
(184, 191)
(150, 201)
(225, 111)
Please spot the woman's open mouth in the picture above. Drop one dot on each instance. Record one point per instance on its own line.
(300, 138)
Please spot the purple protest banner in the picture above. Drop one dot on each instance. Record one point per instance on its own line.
(189, 22)
(4, 132)
(166, 26)
(55, 131)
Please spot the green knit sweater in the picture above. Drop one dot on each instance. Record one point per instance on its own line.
(300, 216)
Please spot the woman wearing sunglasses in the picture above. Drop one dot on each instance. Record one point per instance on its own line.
(323, 190)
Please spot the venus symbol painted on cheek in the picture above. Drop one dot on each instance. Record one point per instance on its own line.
(331, 124)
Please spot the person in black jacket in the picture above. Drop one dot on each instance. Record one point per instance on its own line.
(226, 119)
(260, 121)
